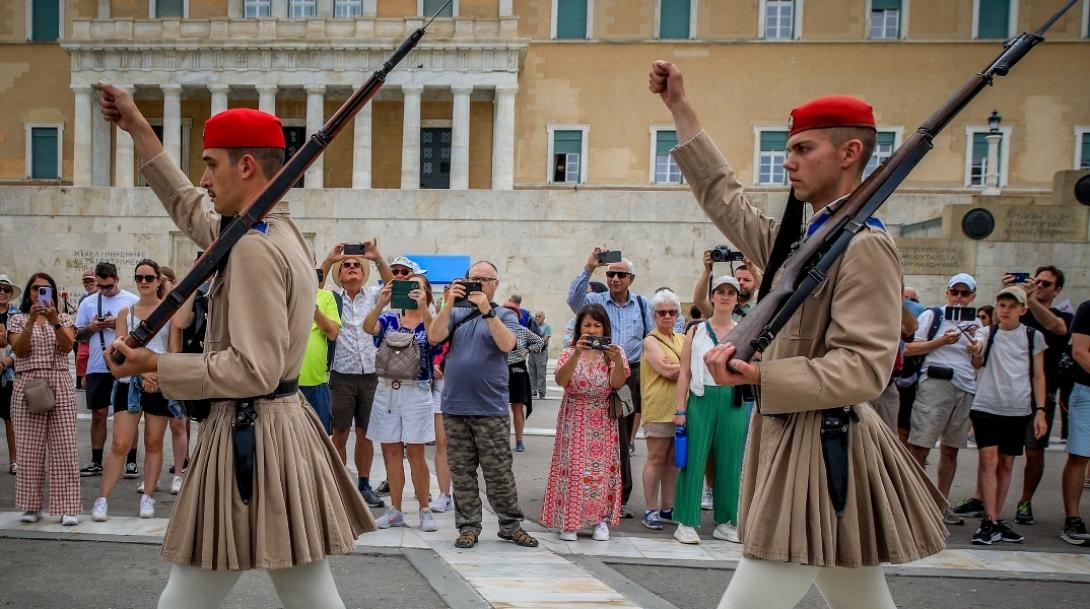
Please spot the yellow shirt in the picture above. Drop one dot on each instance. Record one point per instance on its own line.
(659, 395)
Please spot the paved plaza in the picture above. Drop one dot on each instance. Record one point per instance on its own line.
(116, 564)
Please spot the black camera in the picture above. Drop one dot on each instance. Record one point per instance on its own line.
(959, 314)
(354, 249)
(470, 287)
(598, 342)
(722, 253)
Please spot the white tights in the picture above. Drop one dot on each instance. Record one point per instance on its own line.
(308, 586)
(764, 584)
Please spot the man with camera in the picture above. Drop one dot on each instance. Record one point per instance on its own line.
(747, 274)
(352, 379)
(476, 413)
(630, 318)
(947, 382)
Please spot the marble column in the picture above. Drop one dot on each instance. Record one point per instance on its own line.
(266, 98)
(410, 138)
(315, 177)
(361, 148)
(219, 97)
(100, 145)
(172, 120)
(81, 137)
(124, 157)
(503, 139)
(459, 135)
(991, 166)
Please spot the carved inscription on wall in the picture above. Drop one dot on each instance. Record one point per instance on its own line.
(936, 256)
(1042, 223)
(86, 259)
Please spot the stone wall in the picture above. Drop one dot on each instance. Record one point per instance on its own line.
(539, 238)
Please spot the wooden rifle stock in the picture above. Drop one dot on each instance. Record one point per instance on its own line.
(278, 186)
(808, 266)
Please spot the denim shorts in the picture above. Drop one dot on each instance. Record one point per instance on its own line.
(1078, 421)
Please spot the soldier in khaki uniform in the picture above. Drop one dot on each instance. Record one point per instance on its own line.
(837, 350)
(303, 504)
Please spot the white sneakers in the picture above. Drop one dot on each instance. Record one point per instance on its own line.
(392, 518)
(601, 532)
(427, 521)
(176, 485)
(569, 536)
(727, 532)
(706, 501)
(98, 512)
(686, 534)
(441, 503)
(29, 517)
(140, 487)
(147, 507)
(69, 520)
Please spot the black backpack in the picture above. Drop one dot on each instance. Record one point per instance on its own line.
(912, 365)
(332, 343)
(193, 336)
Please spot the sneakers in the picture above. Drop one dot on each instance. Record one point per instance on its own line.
(91, 469)
(427, 521)
(98, 512)
(727, 532)
(986, 534)
(601, 532)
(569, 536)
(131, 470)
(949, 517)
(371, 499)
(147, 506)
(392, 518)
(1006, 533)
(706, 500)
(140, 487)
(441, 503)
(969, 508)
(383, 488)
(651, 520)
(666, 515)
(686, 534)
(1024, 515)
(30, 517)
(519, 446)
(625, 512)
(1075, 533)
(176, 485)
(69, 520)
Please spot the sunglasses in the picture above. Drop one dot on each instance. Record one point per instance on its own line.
(401, 272)
(103, 286)
(144, 278)
(671, 313)
(88, 280)
(483, 279)
(350, 264)
(1044, 283)
(621, 274)
(964, 293)
(6, 289)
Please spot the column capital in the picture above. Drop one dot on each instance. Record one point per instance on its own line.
(506, 89)
(84, 89)
(461, 89)
(219, 88)
(171, 87)
(412, 89)
(314, 89)
(267, 88)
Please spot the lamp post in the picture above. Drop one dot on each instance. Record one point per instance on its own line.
(991, 168)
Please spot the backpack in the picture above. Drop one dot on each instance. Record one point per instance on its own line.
(1030, 335)
(910, 370)
(333, 343)
(193, 336)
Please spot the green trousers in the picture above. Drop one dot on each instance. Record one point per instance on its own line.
(713, 425)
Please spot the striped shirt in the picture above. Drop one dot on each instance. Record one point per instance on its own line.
(629, 322)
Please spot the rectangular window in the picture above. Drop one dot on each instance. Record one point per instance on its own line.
(430, 6)
(302, 9)
(44, 153)
(346, 9)
(45, 24)
(770, 159)
(257, 8)
(993, 19)
(978, 167)
(883, 149)
(779, 19)
(674, 18)
(567, 156)
(571, 19)
(666, 170)
(169, 9)
(885, 19)
(1083, 162)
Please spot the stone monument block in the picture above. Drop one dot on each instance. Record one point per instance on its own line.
(1024, 223)
(936, 256)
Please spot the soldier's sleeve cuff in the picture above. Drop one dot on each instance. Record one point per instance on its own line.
(182, 376)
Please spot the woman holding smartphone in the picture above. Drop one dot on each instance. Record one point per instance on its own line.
(402, 411)
(143, 397)
(42, 338)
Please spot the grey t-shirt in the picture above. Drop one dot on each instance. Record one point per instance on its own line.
(475, 374)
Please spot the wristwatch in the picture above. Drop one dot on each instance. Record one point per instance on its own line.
(57, 326)
(1040, 408)
(491, 313)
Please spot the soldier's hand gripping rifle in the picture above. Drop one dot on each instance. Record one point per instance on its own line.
(281, 183)
(804, 270)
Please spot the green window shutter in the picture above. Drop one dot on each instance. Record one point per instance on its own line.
(665, 141)
(674, 18)
(887, 138)
(571, 19)
(169, 8)
(773, 140)
(567, 141)
(43, 153)
(1084, 161)
(885, 5)
(430, 6)
(45, 20)
(994, 19)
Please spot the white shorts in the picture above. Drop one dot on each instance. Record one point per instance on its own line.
(403, 414)
(437, 396)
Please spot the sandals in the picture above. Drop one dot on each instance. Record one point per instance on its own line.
(466, 539)
(519, 537)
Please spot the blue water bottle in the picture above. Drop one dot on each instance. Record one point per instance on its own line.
(681, 447)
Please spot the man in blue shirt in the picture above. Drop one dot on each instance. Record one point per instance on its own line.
(630, 319)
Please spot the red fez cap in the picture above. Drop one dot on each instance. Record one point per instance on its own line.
(243, 128)
(831, 111)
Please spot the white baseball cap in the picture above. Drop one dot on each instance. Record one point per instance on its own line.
(409, 264)
(726, 279)
(965, 278)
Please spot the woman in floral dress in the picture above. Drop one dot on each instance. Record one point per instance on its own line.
(584, 488)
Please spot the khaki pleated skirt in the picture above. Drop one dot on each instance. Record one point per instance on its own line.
(304, 507)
